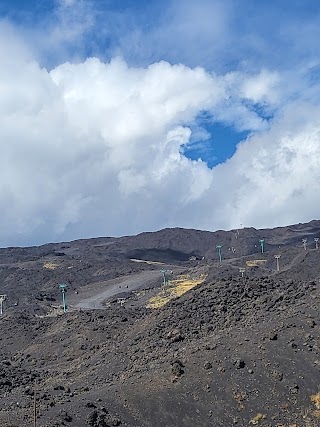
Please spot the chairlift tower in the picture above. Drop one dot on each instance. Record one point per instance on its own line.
(219, 252)
(316, 239)
(242, 271)
(277, 257)
(164, 272)
(305, 243)
(2, 298)
(261, 241)
(63, 289)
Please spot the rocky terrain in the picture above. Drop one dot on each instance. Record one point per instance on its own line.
(240, 347)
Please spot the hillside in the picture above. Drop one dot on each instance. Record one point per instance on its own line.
(235, 349)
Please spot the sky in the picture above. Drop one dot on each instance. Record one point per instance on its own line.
(118, 117)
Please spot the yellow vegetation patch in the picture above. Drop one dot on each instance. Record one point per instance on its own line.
(259, 417)
(315, 399)
(50, 265)
(174, 289)
(255, 262)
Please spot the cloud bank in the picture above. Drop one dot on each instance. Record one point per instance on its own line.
(95, 147)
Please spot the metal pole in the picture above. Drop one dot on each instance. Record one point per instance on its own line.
(62, 286)
(242, 270)
(277, 258)
(64, 301)
(262, 245)
(2, 298)
(219, 252)
(34, 408)
(164, 271)
(316, 239)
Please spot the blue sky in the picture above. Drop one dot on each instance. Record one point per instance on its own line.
(156, 95)
(219, 36)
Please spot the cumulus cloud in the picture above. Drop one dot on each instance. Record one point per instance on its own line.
(89, 145)
(95, 148)
(273, 177)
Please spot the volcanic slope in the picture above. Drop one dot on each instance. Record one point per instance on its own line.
(234, 350)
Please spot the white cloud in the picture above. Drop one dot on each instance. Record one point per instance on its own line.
(73, 19)
(94, 148)
(273, 177)
(262, 88)
(59, 35)
(93, 140)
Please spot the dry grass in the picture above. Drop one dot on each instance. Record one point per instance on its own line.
(50, 265)
(315, 399)
(259, 417)
(255, 262)
(175, 289)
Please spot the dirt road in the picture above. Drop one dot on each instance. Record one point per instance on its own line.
(93, 296)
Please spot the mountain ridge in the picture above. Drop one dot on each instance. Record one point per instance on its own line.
(231, 342)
